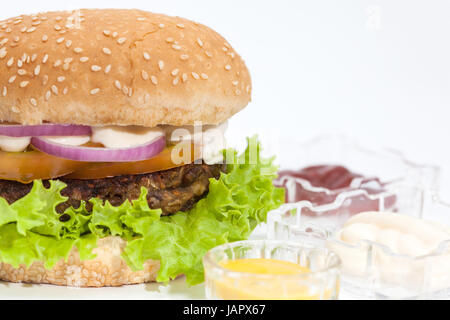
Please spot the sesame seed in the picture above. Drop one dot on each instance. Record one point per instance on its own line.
(44, 60)
(161, 25)
(57, 27)
(144, 75)
(228, 67)
(44, 38)
(24, 57)
(21, 72)
(23, 29)
(23, 84)
(106, 51)
(95, 91)
(184, 57)
(141, 19)
(11, 80)
(96, 68)
(3, 52)
(47, 95)
(61, 78)
(15, 22)
(114, 34)
(147, 98)
(125, 90)
(57, 63)
(15, 109)
(195, 75)
(170, 40)
(68, 60)
(5, 91)
(31, 29)
(3, 41)
(117, 84)
(176, 47)
(231, 54)
(154, 80)
(235, 83)
(200, 42)
(175, 81)
(33, 102)
(175, 72)
(208, 54)
(59, 40)
(204, 76)
(65, 90)
(54, 89)
(45, 80)
(68, 43)
(77, 50)
(108, 68)
(84, 59)
(10, 62)
(224, 49)
(248, 88)
(16, 38)
(184, 77)
(146, 55)
(180, 25)
(161, 65)
(106, 32)
(33, 57)
(19, 63)
(8, 30)
(121, 40)
(58, 18)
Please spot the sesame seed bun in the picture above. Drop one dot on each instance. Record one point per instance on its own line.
(119, 67)
(107, 269)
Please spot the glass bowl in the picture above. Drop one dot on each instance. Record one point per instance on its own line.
(370, 269)
(321, 283)
(389, 183)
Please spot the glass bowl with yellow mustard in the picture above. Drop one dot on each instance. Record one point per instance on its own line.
(271, 270)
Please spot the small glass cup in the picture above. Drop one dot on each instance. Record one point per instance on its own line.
(321, 283)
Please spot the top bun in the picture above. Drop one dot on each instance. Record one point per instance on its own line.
(117, 67)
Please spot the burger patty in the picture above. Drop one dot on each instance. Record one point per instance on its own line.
(172, 190)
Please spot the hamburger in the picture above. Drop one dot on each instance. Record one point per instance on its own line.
(112, 162)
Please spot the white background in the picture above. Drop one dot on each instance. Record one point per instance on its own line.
(375, 70)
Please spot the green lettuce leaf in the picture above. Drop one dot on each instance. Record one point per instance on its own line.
(30, 228)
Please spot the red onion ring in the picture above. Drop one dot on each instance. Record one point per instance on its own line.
(136, 153)
(48, 129)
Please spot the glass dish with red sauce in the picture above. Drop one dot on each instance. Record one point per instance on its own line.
(334, 177)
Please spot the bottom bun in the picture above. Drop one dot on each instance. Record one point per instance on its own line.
(107, 269)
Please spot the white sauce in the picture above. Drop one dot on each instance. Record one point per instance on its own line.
(402, 234)
(14, 144)
(210, 138)
(124, 137)
(70, 141)
(407, 239)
